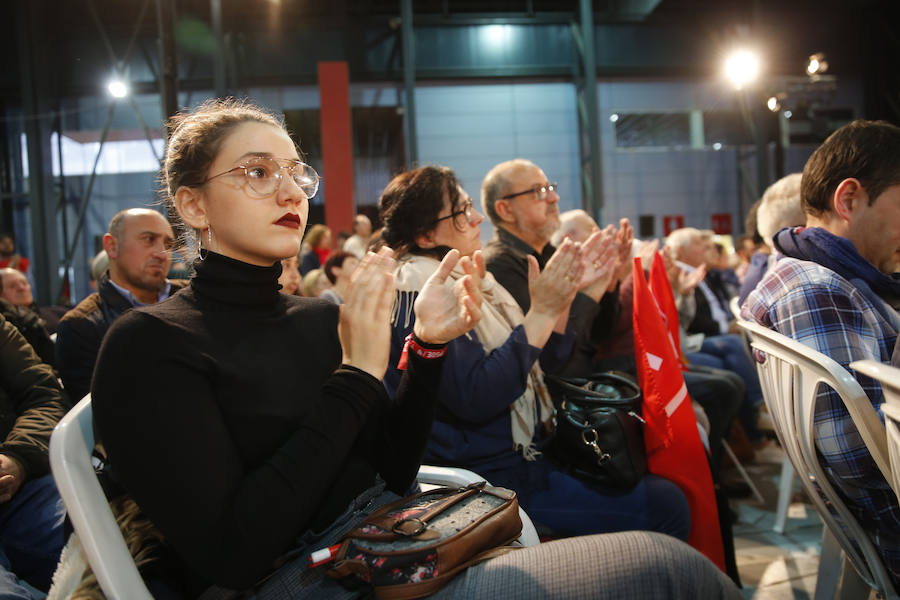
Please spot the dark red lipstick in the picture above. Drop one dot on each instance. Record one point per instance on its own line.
(289, 220)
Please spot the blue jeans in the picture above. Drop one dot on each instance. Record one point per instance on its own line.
(570, 506)
(31, 537)
(729, 352)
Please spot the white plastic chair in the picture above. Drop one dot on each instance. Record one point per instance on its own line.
(455, 477)
(790, 374)
(71, 446)
(889, 377)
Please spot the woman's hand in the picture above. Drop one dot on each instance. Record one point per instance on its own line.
(365, 323)
(443, 312)
(553, 289)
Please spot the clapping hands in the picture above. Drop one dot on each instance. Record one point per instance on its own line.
(553, 289)
(682, 282)
(444, 312)
(365, 322)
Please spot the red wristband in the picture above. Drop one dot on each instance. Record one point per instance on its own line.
(426, 353)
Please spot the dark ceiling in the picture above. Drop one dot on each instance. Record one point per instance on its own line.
(861, 38)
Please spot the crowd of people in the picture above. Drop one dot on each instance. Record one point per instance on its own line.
(254, 412)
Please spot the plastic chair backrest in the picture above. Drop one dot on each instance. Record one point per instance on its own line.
(456, 477)
(71, 446)
(790, 374)
(889, 377)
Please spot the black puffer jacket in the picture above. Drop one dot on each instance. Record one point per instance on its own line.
(31, 402)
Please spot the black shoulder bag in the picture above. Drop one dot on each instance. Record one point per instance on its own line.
(599, 429)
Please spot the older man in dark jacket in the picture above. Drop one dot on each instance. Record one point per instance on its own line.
(31, 512)
(139, 245)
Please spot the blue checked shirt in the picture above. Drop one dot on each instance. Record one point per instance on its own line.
(816, 306)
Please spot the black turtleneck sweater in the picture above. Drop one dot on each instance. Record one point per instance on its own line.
(227, 417)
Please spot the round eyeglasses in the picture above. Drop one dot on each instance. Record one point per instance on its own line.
(264, 175)
(542, 191)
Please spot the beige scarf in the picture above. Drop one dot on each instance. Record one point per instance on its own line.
(501, 314)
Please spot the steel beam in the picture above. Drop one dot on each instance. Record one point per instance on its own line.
(36, 92)
(168, 59)
(589, 115)
(409, 83)
(215, 9)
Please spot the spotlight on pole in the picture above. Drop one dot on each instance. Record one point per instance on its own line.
(773, 104)
(117, 88)
(817, 64)
(741, 68)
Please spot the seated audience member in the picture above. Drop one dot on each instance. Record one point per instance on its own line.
(99, 265)
(744, 248)
(31, 511)
(495, 413)
(338, 269)
(31, 326)
(17, 290)
(316, 248)
(139, 247)
(720, 274)
(341, 239)
(289, 279)
(779, 207)
(8, 257)
(315, 283)
(523, 207)
(692, 249)
(358, 243)
(834, 289)
(705, 311)
(285, 435)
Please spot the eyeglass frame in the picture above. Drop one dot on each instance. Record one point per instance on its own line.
(542, 190)
(468, 207)
(295, 161)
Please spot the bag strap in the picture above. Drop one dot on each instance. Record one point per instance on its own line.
(414, 526)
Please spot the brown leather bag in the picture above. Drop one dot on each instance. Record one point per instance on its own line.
(414, 546)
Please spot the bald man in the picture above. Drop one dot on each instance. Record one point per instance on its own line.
(139, 245)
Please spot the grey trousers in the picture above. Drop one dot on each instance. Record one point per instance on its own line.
(632, 564)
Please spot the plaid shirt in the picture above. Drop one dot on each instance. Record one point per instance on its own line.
(816, 306)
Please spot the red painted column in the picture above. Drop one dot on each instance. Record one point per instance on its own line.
(337, 145)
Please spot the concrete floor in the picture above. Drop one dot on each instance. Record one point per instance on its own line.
(776, 566)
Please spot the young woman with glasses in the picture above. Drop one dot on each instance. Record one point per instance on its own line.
(252, 427)
(241, 419)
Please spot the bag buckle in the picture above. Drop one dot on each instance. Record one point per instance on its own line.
(410, 527)
(589, 437)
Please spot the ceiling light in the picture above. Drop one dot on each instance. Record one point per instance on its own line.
(817, 64)
(117, 88)
(741, 68)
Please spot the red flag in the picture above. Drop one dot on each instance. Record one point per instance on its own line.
(662, 292)
(674, 450)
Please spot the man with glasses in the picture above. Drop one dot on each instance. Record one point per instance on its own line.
(523, 206)
(139, 244)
